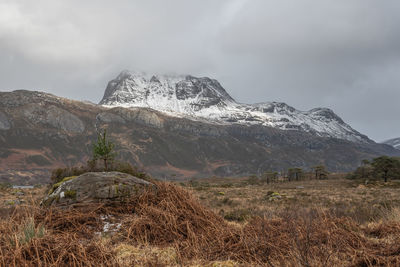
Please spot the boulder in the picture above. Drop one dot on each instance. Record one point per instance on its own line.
(272, 196)
(96, 187)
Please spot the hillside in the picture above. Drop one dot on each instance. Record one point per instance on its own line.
(395, 142)
(40, 131)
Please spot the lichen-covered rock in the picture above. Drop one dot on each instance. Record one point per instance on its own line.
(96, 187)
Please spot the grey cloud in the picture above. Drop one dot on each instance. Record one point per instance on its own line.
(341, 54)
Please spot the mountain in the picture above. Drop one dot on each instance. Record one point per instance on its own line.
(40, 131)
(395, 142)
(205, 99)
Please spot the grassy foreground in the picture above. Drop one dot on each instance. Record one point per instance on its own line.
(215, 222)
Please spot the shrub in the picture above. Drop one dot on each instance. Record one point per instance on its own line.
(28, 231)
(382, 167)
(59, 174)
(238, 215)
(253, 180)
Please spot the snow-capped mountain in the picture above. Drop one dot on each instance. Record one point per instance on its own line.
(395, 142)
(205, 99)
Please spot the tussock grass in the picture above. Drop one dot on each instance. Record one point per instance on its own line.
(171, 228)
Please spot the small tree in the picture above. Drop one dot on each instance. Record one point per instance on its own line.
(364, 171)
(290, 174)
(295, 173)
(269, 177)
(320, 172)
(384, 164)
(103, 149)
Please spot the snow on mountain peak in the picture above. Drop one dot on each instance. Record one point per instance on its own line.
(204, 98)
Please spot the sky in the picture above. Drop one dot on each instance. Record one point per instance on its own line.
(343, 54)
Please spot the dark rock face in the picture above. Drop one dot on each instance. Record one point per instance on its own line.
(210, 91)
(327, 114)
(4, 122)
(97, 187)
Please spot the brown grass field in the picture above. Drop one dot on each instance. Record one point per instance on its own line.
(211, 222)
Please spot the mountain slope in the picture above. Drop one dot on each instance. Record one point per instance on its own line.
(206, 99)
(395, 142)
(40, 131)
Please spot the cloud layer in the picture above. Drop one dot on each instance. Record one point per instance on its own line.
(340, 54)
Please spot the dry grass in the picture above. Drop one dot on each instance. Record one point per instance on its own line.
(235, 200)
(171, 227)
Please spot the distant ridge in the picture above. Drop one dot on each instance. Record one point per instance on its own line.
(395, 142)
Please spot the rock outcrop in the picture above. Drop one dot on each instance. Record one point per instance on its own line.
(96, 187)
(4, 122)
(54, 116)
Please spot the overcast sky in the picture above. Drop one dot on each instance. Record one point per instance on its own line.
(342, 54)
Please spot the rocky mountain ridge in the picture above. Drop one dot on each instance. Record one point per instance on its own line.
(40, 131)
(395, 142)
(205, 99)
